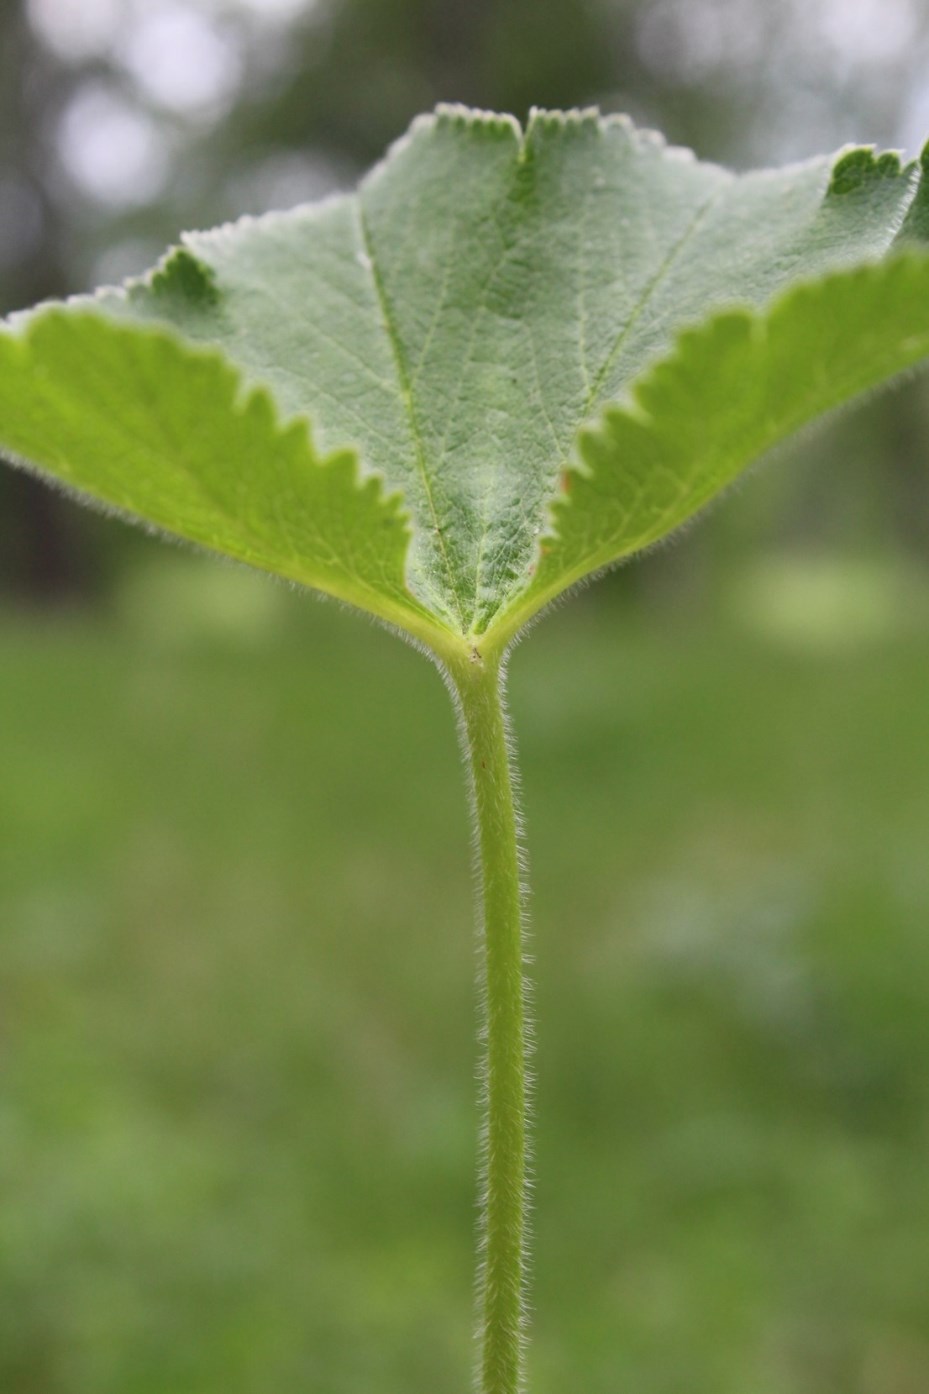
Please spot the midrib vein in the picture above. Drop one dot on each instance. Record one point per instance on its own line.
(595, 387)
(406, 393)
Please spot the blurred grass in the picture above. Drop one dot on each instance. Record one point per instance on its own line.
(236, 1124)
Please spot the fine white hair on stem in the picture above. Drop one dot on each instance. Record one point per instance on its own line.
(527, 1038)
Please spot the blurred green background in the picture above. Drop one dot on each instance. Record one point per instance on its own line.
(236, 1113)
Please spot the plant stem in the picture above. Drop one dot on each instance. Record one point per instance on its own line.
(503, 1256)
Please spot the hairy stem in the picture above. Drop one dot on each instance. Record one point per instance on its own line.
(503, 1256)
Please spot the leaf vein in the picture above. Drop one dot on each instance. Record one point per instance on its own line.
(406, 393)
(651, 286)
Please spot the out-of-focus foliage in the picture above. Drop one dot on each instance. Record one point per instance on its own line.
(237, 1115)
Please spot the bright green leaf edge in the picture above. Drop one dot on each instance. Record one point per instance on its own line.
(732, 390)
(178, 453)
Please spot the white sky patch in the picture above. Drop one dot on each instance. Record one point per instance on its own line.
(180, 60)
(78, 31)
(687, 40)
(280, 11)
(866, 31)
(75, 30)
(113, 152)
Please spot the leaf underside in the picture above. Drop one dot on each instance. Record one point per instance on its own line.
(509, 359)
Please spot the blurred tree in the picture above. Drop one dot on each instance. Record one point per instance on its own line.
(42, 552)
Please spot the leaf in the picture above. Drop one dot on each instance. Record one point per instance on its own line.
(732, 390)
(555, 344)
(179, 449)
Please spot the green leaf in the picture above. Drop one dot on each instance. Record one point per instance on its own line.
(555, 344)
(733, 389)
(165, 433)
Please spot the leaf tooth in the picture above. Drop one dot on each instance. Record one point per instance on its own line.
(460, 116)
(644, 135)
(859, 165)
(574, 118)
(182, 275)
(199, 242)
(646, 139)
(453, 116)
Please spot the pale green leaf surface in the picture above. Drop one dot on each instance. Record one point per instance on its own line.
(488, 316)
